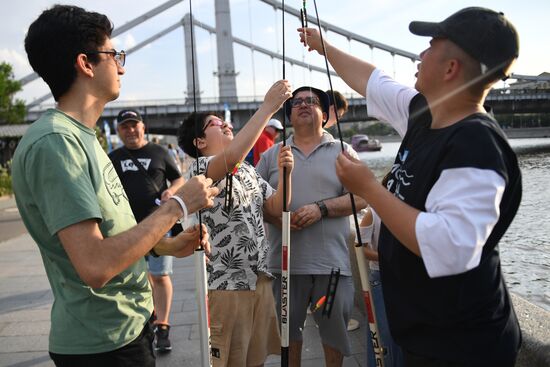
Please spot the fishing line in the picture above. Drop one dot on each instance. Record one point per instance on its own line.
(378, 348)
(353, 207)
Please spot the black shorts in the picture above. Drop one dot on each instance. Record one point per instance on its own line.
(138, 353)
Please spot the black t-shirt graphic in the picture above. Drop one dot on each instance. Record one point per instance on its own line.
(159, 165)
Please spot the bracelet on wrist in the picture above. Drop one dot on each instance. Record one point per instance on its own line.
(183, 207)
(323, 208)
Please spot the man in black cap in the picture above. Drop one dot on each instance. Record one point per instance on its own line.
(144, 169)
(453, 191)
(320, 226)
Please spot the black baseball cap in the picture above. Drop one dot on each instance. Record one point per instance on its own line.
(128, 115)
(323, 98)
(482, 33)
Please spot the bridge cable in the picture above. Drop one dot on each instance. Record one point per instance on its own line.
(252, 51)
(214, 80)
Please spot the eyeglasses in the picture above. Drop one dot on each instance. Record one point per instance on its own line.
(120, 57)
(309, 101)
(217, 122)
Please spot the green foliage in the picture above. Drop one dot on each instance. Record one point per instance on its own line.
(379, 129)
(5, 182)
(11, 111)
(100, 135)
(372, 129)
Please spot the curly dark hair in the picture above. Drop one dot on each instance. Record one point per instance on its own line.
(55, 39)
(191, 128)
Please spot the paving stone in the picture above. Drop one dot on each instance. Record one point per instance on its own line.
(32, 328)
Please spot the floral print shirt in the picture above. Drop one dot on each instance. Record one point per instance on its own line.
(237, 234)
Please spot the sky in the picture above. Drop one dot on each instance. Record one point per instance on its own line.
(158, 71)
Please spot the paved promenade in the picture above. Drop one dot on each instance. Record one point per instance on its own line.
(26, 299)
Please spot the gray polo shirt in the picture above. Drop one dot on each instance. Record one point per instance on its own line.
(322, 246)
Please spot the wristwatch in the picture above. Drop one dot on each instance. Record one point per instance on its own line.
(323, 208)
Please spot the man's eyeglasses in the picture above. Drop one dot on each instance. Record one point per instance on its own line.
(309, 101)
(120, 57)
(217, 122)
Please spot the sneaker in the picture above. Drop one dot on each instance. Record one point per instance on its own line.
(162, 343)
(353, 325)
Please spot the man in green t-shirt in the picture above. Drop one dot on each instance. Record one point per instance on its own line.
(75, 208)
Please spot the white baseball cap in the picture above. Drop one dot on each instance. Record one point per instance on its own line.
(275, 124)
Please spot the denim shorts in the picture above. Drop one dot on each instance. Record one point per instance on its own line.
(393, 356)
(160, 266)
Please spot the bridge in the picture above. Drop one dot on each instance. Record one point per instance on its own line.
(164, 116)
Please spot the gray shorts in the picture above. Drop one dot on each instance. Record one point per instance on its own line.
(159, 266)
(305, 291)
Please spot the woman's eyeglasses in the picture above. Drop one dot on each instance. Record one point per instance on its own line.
(217, 122)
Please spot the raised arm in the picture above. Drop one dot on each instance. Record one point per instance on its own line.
(354, 71)
(225, 161)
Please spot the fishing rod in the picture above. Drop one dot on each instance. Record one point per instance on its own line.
(365, 283)
(201, 277)
(285, 240)
(366, 287)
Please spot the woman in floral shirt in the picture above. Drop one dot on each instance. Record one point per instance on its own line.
(243, 319)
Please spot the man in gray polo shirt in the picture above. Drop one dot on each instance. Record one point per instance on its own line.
(320, 226)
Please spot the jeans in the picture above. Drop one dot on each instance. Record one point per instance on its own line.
(393, 356)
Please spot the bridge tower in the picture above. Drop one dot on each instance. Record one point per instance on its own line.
(187, 24)
(226, 61)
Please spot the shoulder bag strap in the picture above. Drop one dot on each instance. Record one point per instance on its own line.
(141, 169)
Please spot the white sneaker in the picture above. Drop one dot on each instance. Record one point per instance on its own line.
(353, 325)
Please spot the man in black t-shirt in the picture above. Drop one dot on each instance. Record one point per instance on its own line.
(144, 186)
(452, 192)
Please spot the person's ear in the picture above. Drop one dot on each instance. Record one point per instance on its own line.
(453, 69)
(200, 143)
(84, 66)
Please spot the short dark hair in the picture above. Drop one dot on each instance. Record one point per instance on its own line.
(341, 101)
(192, 128)
(55, 39)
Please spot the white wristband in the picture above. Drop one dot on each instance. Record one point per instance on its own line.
(183, 208)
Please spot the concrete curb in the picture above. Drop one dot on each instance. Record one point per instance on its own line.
(535, 328)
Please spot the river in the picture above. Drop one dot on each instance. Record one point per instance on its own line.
(525, 248)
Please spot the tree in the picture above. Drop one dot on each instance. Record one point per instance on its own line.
(11, 111)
